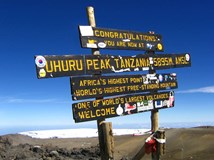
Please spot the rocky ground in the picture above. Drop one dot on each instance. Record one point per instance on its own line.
(181, 144)
(26, 151)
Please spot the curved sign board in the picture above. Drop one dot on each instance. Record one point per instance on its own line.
(121, 106)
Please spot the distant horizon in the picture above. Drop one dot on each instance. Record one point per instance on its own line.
(17, 129)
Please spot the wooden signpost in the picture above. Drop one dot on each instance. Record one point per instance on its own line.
(87, 79)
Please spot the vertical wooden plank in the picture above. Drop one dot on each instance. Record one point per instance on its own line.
(91, 17)
(101, 139)
(154, 113)
(154, 120)
(92, 22)
(108, 137)
(161, 145)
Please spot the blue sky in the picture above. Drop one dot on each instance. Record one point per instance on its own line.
(29, 28)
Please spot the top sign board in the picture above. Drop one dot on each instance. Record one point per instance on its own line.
(92, 37)
(77, 65)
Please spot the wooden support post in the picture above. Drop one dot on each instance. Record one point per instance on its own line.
(108, 137)
(154, 128)
(160, 134)
(91, 17)
(154, 120)
(154, 112)
(104, 132)
(101, 139)
(92, 22)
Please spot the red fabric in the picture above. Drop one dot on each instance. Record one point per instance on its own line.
(150, 146)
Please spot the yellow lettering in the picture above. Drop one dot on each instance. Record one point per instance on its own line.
(72, 65)
(108, 111)
(127, 63)
(57, 65)
(116, 35)
(65, 66)
(81, 115)
(120, 35)
(166, 61)
(137, 37)
(153, 86)
(89, 63)
(141, 45)
(103, 112)
(86, 92)
(96, 32)
(51, 66)
(95, 62)
(161, 96)
(98, 113)
(123, 64)
(82, 105)
(87, 115)
(112, 110)
(117, 62)
(133, 88)
(144, 62)
(136, 80)
(105, 64)
(81, 83)
(131, 62)
(79, 65)
(121, 44)
(149, 97)
(109, 43)
(124, 35)
(134, 99)
(169, 84)
(132, 44)
(180, 60)
(149, 38)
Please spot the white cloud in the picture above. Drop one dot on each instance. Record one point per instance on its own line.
(209, 89)
(26, 100)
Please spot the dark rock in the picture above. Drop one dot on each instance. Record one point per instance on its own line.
(37, 149)
(85, 152)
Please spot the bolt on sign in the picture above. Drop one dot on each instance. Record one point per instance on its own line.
(51, 66)
(122, 105)
(96, 86)
(92, 37)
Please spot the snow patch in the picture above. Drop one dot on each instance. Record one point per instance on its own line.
(79, 133)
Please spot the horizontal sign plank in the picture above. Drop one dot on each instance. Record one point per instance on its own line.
(120, 106)
(102, 86)
(50, 66)
(92, 37)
